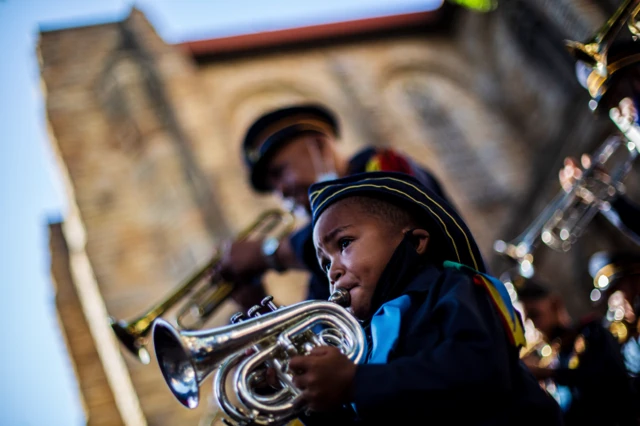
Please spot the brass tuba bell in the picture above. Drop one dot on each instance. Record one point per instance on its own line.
(249, 346)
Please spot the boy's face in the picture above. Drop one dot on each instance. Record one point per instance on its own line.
(353, 248)
(293, 168)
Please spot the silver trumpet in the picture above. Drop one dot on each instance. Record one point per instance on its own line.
(245, 349)
(562, 222)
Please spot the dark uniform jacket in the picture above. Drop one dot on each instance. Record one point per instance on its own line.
(439, 349)
(369, 159)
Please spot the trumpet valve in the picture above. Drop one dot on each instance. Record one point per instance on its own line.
(267, 302)
(254, 311)
(237, 317)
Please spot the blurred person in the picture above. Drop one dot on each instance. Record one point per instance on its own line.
(616, 275)
(285, 151)
(443, 336)
(582, 366)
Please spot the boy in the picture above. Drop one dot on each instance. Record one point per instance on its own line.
(285, 151)
(585, 366)
(443, 337)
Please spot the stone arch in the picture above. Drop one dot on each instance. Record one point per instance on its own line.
(465, 141)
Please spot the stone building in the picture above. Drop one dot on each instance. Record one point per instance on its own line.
(147, 135)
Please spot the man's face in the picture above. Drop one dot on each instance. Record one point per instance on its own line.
(294, 167)
(353, 248)
(543, 313)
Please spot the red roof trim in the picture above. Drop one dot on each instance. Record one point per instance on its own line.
(306, 34)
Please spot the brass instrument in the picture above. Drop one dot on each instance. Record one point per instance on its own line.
(248, 347)
(594, 52)
(562, 222)
(134, 334)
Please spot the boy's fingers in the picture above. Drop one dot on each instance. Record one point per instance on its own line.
(319, 351)
(298, 364)
(300, 382)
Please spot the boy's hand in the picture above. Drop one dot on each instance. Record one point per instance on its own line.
(325, 377)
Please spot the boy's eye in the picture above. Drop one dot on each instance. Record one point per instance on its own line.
(325, 264)
(343, 243)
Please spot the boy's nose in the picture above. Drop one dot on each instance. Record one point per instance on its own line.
(334, 275)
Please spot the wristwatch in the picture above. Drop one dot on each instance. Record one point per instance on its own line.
(269, 247)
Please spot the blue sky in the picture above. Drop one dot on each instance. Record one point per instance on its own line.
(37, 386)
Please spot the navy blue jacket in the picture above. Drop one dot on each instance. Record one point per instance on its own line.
(449, 356)
(369, 159)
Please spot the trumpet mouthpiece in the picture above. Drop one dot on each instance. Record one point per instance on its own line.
(130, 341)
(341, 297)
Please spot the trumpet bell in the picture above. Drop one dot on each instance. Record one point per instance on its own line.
(175, 363)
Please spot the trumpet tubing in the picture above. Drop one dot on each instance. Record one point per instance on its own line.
(242, 351)
(563, 221)
(208, 291)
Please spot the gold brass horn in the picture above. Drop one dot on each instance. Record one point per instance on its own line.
(594, 52)
(134, 334)
(244, 350)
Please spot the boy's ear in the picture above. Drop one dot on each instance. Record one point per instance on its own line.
(420, 238)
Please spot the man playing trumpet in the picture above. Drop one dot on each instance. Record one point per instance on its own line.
(286, 150)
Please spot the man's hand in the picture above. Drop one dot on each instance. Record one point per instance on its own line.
(242, 261)
(248, 294)
(571, 171)
(325, 377)
(627, 110)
